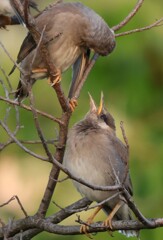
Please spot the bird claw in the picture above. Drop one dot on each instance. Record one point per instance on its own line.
(56, 79)
(84, 229)
(108, 223)
(73, 103)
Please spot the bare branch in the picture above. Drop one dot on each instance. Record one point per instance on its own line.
(8, 54)
(129, 17)
(28, 108)
(21, 145)
(155, 24)
(6, 77)
(60, 181)
(138, 214)
(45, 225)
(19, 202)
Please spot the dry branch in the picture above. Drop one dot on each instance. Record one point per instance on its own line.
(129, 17)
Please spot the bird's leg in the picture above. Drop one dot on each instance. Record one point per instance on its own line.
(51, 80)
(40, 70)
(108, 221)
(79, 68)
(84, 228)
(73, 103)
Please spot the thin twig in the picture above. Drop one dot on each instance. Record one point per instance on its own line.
(38, 127)
(155, 24)
(11, 141)
(136, 211)
(5, 89)
(21, 145)
(129, 17)
(28, 108)
(57, 205)
(8, 54)
(6, 77)
(60, 181)
(104, 201)
(19, 202)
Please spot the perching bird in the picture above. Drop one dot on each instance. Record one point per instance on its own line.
(95, 154)
(8, 15)
(72, 30)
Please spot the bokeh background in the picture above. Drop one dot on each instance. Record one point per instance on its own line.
(132, 81)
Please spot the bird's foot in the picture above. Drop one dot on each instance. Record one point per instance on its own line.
(73, 104)
(108, 222)
(56, 78)
(85, 227)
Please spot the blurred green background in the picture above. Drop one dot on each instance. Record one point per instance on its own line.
(132, 81)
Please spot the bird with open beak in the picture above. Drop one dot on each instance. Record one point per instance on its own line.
(95, 154)
(72, 30)
(9, 16)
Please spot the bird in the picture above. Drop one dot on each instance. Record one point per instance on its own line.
(95, 154)
(72, 31)
(9, 16)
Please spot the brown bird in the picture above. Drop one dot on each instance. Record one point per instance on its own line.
(9, 16)
(72, 30)
(95, 154)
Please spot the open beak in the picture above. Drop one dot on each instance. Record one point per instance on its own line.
(93, 107)
(101, 106)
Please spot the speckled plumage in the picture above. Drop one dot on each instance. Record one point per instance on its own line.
(71, 31)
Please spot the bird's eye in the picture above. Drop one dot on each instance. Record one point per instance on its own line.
(104, 118)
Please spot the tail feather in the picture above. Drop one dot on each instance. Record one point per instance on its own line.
(130, 233)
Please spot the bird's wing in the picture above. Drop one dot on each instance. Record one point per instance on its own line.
(122, 154)
(78, 71)
(43, 19)
(27, 46)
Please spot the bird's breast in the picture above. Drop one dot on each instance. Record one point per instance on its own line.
(65, 55)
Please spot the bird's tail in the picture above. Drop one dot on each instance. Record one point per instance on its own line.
(21, 92)
(130, 233)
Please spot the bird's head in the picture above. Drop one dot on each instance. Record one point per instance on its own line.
(100, 115)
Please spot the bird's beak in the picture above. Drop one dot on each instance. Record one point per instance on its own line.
(101, 106)
(93, 107)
